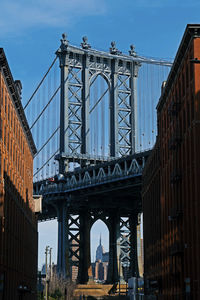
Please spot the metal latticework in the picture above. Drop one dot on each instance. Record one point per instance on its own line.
(75, 87)
(74, 244)
(124, 113)
(84, 98)
(125, 245)
(90, 114)
(93, 106)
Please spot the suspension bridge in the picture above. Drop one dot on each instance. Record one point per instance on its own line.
(93, 119)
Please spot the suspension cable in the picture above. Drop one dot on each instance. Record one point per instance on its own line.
(46, 162)
(37, 88)
(47, 141)
(45, 107)
(98, 100)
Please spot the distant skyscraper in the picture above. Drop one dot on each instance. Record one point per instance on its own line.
(100, 267)
(100, 251)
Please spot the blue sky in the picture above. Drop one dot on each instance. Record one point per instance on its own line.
(30, 33)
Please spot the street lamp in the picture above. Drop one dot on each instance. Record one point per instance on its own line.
(50, 265)
(46, 269)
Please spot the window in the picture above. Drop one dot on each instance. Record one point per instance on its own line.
(0, 128)
(13, 154)
(188, 114)
(5, 135)
(183, 84)
(8, 112)
(11, 148)
(11, 118)
(184, 123)
(187, 75)
(5, 104)
(26, 196)
(8, 143)
(192, 107)
(0, 164)
(16, 158)
(191, 70)
(1, 96)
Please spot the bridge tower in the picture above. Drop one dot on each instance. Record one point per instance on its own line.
(80, 68)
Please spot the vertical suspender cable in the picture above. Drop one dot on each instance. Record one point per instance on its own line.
(144, 108)
(149, 99)
(139, 107)
(38, 132)
(152, 106)
(97, 115)
(94, 115)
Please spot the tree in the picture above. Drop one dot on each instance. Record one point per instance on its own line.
(61, 287)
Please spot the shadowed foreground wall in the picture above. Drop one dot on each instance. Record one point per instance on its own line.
(18, 226)
(171, 185)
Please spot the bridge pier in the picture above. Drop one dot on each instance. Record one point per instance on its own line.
(63, 247)
(84, 272)
(133, 241)
(114, 249)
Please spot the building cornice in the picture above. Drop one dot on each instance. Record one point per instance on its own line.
(16, 99)
(192, 31)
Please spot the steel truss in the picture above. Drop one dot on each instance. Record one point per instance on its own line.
(78, 209)
(74, 243)
(115, 170)
(80, 69)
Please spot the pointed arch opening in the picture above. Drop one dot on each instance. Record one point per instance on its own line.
(99, 114)
(99, 241)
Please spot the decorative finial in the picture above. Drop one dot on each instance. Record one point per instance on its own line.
(85, 44)
(132, 51)
(64, 42)
(113, 44)
(64, 36)
(113, 49)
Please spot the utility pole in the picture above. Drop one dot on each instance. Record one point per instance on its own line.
(50, 266)
(46, 270)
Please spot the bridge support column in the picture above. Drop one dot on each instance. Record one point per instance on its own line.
(85, 271)
(114, 250)
(134, 271)
(63, 247)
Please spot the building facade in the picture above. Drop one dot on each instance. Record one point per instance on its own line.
(18, 234)
(152, 221)
(171, 193)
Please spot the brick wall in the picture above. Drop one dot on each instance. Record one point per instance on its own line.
(18, 235)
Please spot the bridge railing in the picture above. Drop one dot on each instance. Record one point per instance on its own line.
(94, 175)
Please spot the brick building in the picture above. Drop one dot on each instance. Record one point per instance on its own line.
(152, 221)
(18, 226)
(171, 182)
